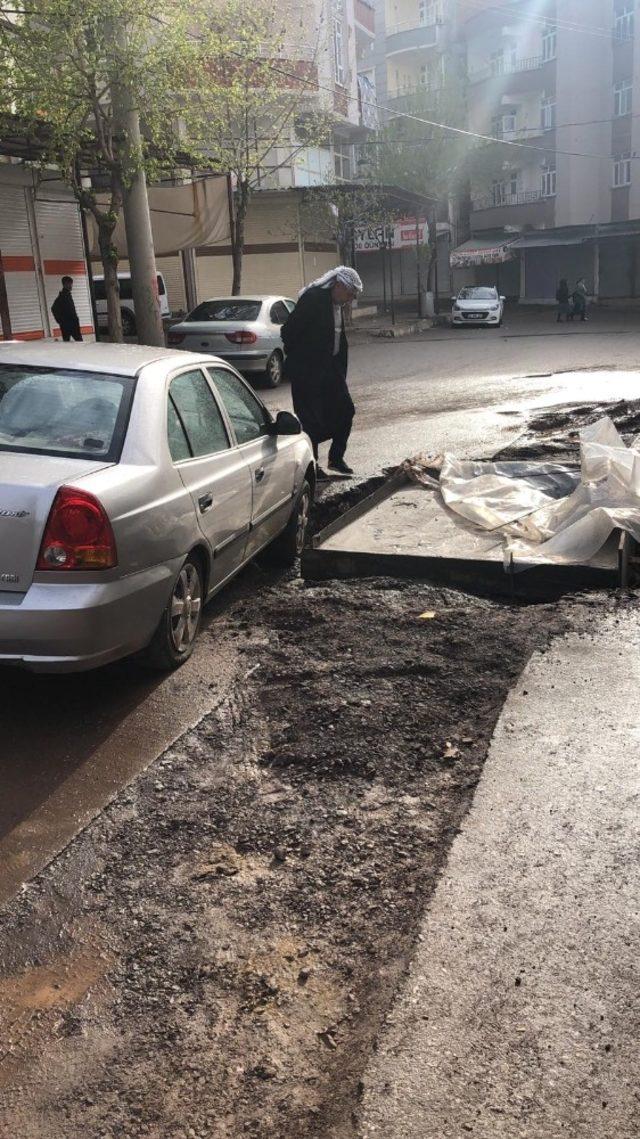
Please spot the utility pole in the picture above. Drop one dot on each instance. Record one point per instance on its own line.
(137, 217)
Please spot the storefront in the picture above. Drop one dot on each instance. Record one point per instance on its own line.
(40, 241)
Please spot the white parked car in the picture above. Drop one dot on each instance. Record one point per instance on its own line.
(478, 304)
(127, 307)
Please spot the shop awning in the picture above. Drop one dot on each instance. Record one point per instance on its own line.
(483, 251)
(539, 241)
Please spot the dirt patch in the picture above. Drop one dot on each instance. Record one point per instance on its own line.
(257, 893)
(554, 434)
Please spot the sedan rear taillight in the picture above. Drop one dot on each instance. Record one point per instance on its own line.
(241, 337)
(78, 534)
(176, 337)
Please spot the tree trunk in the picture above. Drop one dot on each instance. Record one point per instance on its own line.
(109, 258)
(237, 236)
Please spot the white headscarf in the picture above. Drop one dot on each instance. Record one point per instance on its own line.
(344, 274)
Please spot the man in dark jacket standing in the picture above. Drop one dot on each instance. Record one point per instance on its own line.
(316, 362)
(64, 311)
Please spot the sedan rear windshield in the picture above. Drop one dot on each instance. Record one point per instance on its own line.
(226, 310)
(478, 294)
(51, 411)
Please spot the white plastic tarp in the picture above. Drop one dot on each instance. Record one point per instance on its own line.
(546, 512)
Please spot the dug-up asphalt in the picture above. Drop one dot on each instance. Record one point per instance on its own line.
(521, 1012)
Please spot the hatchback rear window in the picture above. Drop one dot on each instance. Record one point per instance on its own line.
(50, 411)
(226, 310)
(477, 293)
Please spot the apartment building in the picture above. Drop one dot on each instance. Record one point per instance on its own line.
(560, 197)
(414, 39)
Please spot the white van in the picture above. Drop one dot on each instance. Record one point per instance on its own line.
(126, 302)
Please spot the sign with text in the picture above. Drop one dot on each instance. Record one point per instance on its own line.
(399, 235)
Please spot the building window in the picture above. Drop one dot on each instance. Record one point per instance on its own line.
(497, 63)
(548, 113)
(343, 161)
(548, 182)
(622, 170)
(338, 50)
(622, 98)
(623, 21)
(429, 11)
(505, 192)
(549, 42)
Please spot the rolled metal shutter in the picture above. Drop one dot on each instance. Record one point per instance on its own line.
(19, 264)
(62, 252)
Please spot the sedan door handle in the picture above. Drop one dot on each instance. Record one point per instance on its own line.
(205, 502)
(259, 473)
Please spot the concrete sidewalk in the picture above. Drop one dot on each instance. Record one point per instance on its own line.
(521, 1013)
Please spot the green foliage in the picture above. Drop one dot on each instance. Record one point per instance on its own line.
(426, 159)
(335, 211)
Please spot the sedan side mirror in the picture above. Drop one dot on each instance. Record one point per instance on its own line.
(286, 423)
(503, 298)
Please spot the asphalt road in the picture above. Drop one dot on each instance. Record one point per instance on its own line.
(469, 391)
(70, 743)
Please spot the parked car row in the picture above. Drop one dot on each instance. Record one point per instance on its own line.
(134, 482)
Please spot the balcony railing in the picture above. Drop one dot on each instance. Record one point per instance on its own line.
(492, 202)
(494, 70)
(411, 25)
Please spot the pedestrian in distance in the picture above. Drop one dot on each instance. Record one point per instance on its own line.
(562, 297)
(316, 363)
(579, 299)
(64, 311)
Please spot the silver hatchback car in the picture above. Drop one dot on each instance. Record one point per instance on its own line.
(243, 330)
(134, 482)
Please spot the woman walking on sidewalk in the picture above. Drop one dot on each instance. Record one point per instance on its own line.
(316, 362)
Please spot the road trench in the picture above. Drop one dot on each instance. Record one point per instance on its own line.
(244, 912)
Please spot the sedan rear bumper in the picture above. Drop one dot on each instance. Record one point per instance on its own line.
(69, 627)
(246, 361)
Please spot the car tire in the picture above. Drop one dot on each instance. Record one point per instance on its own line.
(274, 370)
(288, 546)
(174, 639)
(128, 323)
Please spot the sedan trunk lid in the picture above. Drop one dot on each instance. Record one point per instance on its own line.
(28, 486)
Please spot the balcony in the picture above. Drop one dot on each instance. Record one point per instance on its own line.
(525, 209)
(503, 69)
(407, 37)
(403, 98)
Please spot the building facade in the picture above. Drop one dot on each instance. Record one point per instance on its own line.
(559, 85)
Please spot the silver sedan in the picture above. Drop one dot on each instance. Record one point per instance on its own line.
(134, 482)
(243, 330)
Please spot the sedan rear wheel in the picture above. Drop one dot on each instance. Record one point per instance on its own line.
(175, 637)
(274, 369)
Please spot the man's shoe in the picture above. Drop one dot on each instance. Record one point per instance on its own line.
(321, 475)
(340, 466)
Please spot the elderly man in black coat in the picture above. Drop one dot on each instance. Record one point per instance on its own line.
(316, 363)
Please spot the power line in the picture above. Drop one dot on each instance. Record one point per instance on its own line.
(546, 21)
(315, 85)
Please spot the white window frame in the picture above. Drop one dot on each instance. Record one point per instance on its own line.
(429, 12)
(548, 113)
(338, 50)
(497, 62)
(622, 98)
(624, 21)
(621, 170)
(548, 182)
(343, 161)
(509, 123)
(549, 42)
